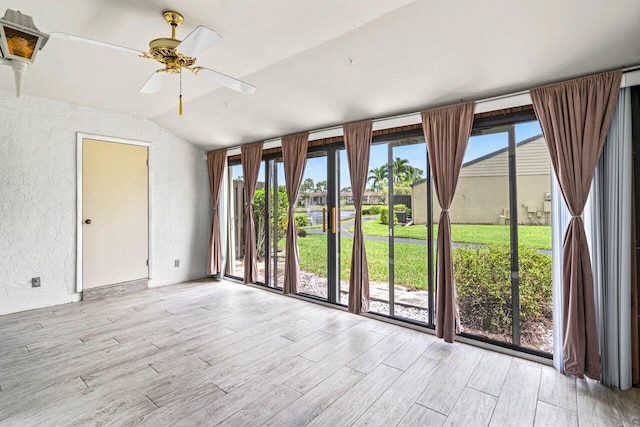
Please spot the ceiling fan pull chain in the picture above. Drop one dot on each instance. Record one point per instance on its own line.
(180, 91)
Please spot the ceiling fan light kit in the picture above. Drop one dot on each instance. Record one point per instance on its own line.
(176, 55)
(20, 42)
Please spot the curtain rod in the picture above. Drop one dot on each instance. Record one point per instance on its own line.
(410, 115)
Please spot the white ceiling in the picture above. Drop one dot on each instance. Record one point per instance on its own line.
(322, 63)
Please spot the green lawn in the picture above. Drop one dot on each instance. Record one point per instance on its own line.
(410, 259)
(410, 267)
(530, 236)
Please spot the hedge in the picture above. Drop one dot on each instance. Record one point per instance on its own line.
(371, 210)
(483, 287)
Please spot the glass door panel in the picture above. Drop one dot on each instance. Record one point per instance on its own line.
(235, 263)
(278, 221)
(534, 237)
(313, 219)
(345, 236)
(260, 220)
(408, 231)
(375, 229)
(481, 235)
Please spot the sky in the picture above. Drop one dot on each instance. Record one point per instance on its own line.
(316, 168)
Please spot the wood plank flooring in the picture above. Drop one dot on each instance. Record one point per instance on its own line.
(214, 352)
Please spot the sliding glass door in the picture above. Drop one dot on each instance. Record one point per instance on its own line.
(409, 291)
(312, 216)
(278, 217)
(500, 217)
(502, 237)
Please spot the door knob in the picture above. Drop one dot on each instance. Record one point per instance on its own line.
(87, 221)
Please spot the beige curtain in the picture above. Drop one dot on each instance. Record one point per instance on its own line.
(357, 140)
(216, 160)
(575, 118)
(294, 153)
(447, 132)
(251, 156)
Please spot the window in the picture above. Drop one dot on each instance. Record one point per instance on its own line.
(502, 236)
(501, 230)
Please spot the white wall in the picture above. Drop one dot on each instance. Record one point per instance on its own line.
(38, 199)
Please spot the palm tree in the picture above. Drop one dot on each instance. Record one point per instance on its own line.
(400, 169)
(378, 176)
(413, 175)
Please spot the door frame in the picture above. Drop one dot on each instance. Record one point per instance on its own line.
(79, 160)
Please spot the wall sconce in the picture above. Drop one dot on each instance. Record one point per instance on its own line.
(20, 42)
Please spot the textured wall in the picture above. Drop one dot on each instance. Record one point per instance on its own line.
(38, 199)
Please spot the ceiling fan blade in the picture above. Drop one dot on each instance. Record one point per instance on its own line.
(65, 36)
(199, 40)
(224, 80)
(155, 82)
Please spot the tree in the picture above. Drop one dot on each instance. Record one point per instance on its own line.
(306, 189)
(260, 217)
(404, 173)
(378, 176)
(321, 186)
(413, 175)
(400, 169)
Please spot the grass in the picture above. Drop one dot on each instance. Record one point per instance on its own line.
(410, 263)
(530, 236)
(410, 266)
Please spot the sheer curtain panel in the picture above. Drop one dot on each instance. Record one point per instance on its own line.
(608, 226)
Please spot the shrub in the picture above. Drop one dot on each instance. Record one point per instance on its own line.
(400, 208)
(260, 216)
(371, 210)
(302, 232)
(384, 216)
(301, 220)
(375, 209)
(483, 287)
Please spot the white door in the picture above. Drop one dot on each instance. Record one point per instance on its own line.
(115, 214)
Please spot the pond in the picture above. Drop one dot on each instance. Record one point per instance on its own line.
(315, 216)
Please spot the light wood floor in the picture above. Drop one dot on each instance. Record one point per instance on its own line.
(216, 352)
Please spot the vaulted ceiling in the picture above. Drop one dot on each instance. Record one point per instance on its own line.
(321, 63)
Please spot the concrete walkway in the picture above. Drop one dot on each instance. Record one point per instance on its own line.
(403, 295)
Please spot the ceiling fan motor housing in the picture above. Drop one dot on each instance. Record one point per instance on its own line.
(163, 49)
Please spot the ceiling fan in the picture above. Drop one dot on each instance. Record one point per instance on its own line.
(175, 55)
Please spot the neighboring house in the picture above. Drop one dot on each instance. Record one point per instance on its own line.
(346, 198)
(369, 198)
(318, 198)
(482, 194)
